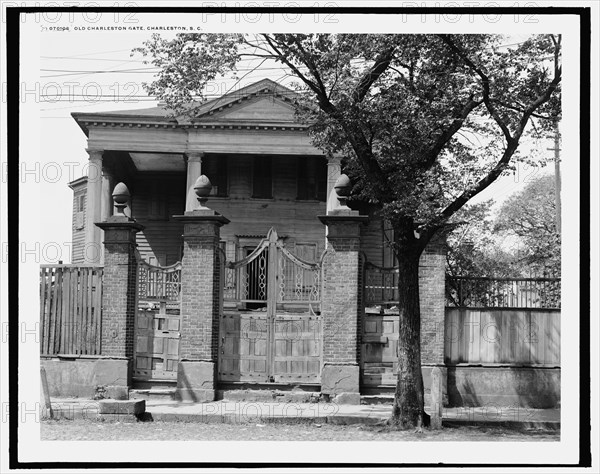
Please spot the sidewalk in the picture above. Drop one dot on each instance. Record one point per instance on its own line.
(279, 412)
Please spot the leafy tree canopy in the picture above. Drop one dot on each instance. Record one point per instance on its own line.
(530, 217)
(423, 123)
(521, 240)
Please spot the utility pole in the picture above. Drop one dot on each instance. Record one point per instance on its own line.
(557, 184)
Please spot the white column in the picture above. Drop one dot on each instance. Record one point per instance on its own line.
(334, 170)
(92, 252)
(194, 170)
(107, 200)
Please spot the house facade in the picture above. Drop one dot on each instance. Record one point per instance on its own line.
(218, 254)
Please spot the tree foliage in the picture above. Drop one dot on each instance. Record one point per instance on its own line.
(530, 217)
(475, 249)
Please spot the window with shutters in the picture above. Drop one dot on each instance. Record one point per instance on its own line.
(312, 178)
(262, 179)
(80, 212)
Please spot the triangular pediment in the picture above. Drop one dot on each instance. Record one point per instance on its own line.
(262, 104)
(257, 109)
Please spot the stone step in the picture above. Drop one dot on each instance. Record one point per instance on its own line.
(153, 394)
(380, 399)
(121, 410)
(282, 396)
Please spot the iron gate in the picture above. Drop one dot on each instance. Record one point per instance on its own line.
(270, 328)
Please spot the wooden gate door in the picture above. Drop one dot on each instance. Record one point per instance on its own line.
(270, 328)
(158, 322)
(380, 333)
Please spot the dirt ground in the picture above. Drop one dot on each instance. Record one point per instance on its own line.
(174, 431)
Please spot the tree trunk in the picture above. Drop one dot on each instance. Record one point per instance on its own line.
(408, 409)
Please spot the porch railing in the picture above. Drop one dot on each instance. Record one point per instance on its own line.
(503, 292)
(70, 314)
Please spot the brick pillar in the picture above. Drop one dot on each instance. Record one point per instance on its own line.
(432, 275)
(342, 306)
(119, 293)
(200, 304)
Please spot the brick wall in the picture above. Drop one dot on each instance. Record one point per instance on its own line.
(200, 292)
(118, 299)
(431, 292)
(341, 301)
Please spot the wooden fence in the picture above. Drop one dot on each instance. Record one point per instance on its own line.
(525, 336)
(70, 309)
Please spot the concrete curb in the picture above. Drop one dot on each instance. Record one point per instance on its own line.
(238, 413)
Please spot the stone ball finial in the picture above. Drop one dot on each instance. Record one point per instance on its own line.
(120, 197)
(202, 188)
(342, 188)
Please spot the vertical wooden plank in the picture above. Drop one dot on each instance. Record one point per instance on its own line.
(554, 356)
(66, 298)
(518, 324)
(475, 337)
(486, 334)
(48, 293)
(456, 336)
(60, 301)
(65, 329)
(82, 311)
(448, 333)
(54, 328)
(497, 340)
(76, 312)
(43, 319)
(55, 295)
(526, 337)
(538, 331)
(463, 331)
(88, 318)
(85, 331)
(74, 309)
(46, 345)
(505, 324)
(87, 313)
(43, 315)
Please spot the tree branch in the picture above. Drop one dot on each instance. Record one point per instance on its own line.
(369, 77)
(485, 82)
(447, 135)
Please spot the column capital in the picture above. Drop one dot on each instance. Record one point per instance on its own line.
(95, 154)
(194, 221)
(119, 230)
(194, 156)
(345, 226)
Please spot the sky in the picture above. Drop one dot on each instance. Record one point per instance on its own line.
(93, 71)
